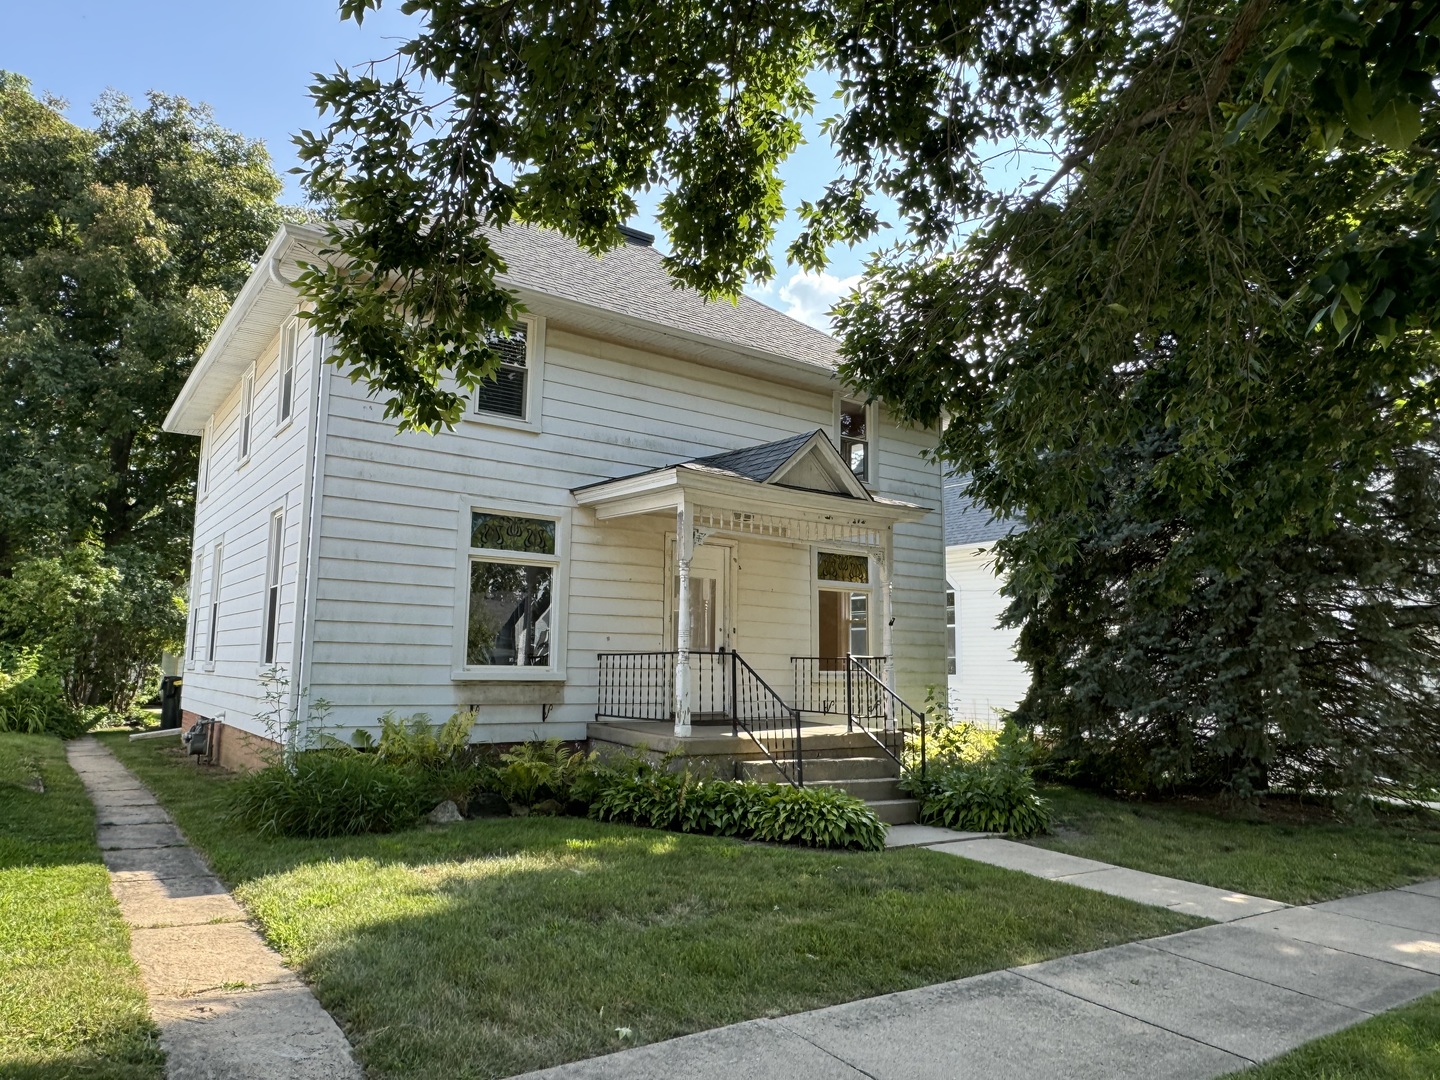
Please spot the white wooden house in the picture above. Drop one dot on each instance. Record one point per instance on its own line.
(641, 453)
(985, 678)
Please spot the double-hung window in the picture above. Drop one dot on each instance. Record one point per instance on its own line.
(195, 578)
(509, 392)
(856, 437)
(512, 573)
(207, 451)
(952, 650)
(212, 627)
(275, 559)
(247, 414)
(285, 382)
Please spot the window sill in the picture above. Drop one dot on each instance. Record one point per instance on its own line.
(507, 674)
(510, 423)
(283, 426)
(243, 462)
(209, 666)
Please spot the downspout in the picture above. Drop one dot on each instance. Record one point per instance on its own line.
(310, 540)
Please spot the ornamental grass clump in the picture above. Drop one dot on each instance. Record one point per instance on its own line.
(325, 793)
(655, 798)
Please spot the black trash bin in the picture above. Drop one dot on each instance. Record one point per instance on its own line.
(170, 702)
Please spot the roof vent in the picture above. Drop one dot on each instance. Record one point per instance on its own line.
(636, 237)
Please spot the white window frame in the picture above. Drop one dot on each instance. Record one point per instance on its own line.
(819, 585)
(192, 632)
(560, 606)
(286, 363)
(207, 454)
(245, 431)
(872, 435)
(952, 629)
(212, 625)
(274, 565)
(534, 384)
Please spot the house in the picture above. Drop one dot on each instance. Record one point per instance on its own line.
(660, 511)
(985, 678)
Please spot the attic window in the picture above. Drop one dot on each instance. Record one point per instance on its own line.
(506, 392)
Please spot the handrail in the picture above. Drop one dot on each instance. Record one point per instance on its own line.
(755, 704)
(819, 682)
(899, 718)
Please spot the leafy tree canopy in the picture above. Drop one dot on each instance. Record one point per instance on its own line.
(121, 247)
(1197, 361)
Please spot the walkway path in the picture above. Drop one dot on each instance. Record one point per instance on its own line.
(225, 1004)
(1219, 905)
(1185, 1007)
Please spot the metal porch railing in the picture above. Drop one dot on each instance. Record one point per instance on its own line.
(724, 688)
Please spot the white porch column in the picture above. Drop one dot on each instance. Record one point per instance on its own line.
(684, 552)
(887, 620)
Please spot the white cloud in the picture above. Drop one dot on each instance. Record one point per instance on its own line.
(809, 297)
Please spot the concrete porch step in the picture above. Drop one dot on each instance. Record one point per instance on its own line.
(871, 791)
(897, 811)
(820, 769)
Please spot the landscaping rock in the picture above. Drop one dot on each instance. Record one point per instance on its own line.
(446, 813)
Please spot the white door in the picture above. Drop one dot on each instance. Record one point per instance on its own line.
(709, 599)
(710, 627)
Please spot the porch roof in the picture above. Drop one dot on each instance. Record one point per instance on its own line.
(797, 489)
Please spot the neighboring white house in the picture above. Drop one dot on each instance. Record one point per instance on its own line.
(985, 677)
(636, 445)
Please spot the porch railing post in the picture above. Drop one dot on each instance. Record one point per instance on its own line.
(849, 694)
(734, 694)
(885, 558)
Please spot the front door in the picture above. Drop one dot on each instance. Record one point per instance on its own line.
(710, 625)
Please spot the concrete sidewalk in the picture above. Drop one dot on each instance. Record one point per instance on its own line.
(1218, 905)
(1185, 1007)
(225, 1003)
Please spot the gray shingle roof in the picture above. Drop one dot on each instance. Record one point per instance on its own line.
(755, 462)
(966, 522)
(631, 280)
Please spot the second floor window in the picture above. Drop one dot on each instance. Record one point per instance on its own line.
(507, 391)
(247, 414)
(855, 437)
(285, 391)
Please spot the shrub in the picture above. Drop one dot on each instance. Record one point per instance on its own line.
(658, 799)
(100, 618)
(330, 793)
(535, 772)
(32, 701)
(976, 778)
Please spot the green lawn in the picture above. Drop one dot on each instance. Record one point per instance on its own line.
(1296, 854)
(71, 1003)
(1399, 1045)
(495, 946)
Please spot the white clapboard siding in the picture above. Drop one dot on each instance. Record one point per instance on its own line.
(988, 679)
(392, 537)
(236, 511)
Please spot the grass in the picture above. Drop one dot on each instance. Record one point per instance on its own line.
(71, 1002)
(1294, 853)
(495, 946)
(1399, 1045)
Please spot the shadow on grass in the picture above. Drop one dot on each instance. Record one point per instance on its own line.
(499, 945)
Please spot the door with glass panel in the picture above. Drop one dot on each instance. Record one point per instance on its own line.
(710, 628)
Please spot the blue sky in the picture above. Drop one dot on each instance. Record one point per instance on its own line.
(251, 61)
